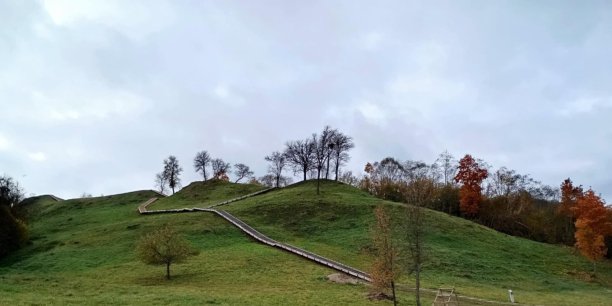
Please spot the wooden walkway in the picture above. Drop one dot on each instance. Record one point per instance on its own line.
(247, 229)
(250, 231)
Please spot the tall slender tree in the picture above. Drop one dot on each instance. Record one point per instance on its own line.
(160, 183)
(341, 145)
(200, 162)
(172, 171)
(470, 174)
(446, 164)
(419, 190)
(385, 269)
(277, 161)
(322, 152)
(570, 195)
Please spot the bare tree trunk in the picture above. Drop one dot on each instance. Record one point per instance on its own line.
(305, 171)
(417, 258)
(337, 167)
(418, 284)
(327, 169)
(168, 270)
(318, 180)
(393, 291)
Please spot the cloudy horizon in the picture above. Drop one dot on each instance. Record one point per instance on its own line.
(95, 94)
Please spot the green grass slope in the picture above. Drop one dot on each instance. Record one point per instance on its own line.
(33, 204)
(82, 253)
(477, 260)
(203, 194)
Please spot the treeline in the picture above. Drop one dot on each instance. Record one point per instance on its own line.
(13, 229)
(501, 199)
(319, 156)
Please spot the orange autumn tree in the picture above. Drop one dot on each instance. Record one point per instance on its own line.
(470, 175)
(592, 225)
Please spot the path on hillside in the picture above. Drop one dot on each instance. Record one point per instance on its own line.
(56, 198)
(142, 209)
(250, 231)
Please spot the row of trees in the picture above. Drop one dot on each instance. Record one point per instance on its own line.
(399, 245)
(319, 156)
(503, 199)
(591, 220)
(13, 229)
(170, 175)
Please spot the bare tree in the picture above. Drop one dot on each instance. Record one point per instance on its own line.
(220, 167)
(419, 190)
(200, 162)
(349, 178)
(301, 155)
(322, 152)
(447, 164)
(242, 171)
(341, 145)
(278, 161)
(329, 147)
(171, 172)
(269, 180)
(160, 183)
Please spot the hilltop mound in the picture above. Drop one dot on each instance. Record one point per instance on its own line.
(202, 194)
(39, 199)
(82, 252)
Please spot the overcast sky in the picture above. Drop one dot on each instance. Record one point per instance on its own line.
(95, 94)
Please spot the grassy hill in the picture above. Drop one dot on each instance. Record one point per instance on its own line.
(203, 194)
(82, 252)
(475, 259)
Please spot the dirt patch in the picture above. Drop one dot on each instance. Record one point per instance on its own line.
(341, 278)
(581, 275)
(379, 296)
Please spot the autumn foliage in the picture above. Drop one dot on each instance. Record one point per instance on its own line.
(592, 225)
(222, 176)
(385, 267)
(569, 197)
(470, 175)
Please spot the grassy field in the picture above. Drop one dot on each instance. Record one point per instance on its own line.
(476, 260)
(82, 252)
(203, 194)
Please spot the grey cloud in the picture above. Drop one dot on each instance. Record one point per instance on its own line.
(95, 102)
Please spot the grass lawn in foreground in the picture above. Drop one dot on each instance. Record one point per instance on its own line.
(82, 253)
